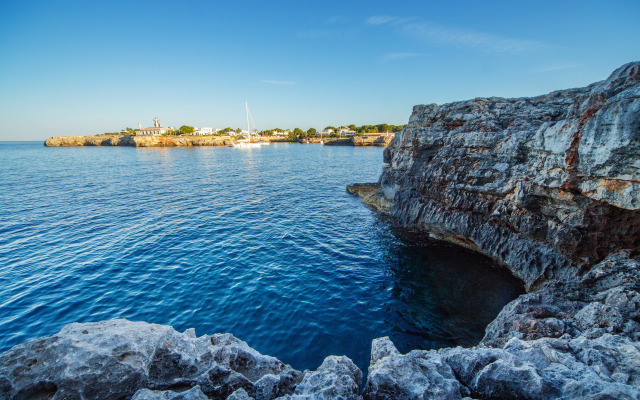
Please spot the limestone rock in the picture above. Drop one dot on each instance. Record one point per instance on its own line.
(382, 347)
(538, 369)
(115, 359)
(416, 375)
(239, 394)
(547, 184)
(369, 193)
(192, 394)
(337, 378)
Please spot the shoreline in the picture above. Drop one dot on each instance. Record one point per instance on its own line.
(198, 141)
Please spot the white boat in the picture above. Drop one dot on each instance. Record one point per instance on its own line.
(246, 142)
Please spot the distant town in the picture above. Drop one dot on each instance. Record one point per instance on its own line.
(293, 134)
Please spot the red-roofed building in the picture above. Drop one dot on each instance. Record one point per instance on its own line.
(153, 130)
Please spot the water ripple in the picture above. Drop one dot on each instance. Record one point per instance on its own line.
(264, 243)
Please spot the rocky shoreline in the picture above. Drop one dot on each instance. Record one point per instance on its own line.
(546, 185)
(362, 140)
(137, 141)
(195, 141)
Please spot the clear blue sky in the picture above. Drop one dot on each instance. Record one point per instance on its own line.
(86, 67)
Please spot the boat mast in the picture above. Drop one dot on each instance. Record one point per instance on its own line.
(246, 104)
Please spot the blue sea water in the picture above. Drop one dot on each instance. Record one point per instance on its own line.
(264, 243)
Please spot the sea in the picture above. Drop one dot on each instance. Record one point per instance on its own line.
(264, 243)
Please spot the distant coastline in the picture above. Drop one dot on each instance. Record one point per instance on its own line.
(197, 141)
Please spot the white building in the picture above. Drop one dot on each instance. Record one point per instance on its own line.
(156, 129)
(346, 132)
(203, 131)
(280, 132)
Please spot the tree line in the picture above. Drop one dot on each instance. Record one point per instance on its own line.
(296, 133)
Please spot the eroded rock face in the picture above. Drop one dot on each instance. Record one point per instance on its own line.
(543, 184)
(549, 186)
(115, 359)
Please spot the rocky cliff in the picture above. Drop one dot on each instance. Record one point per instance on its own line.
(136, 141)
(549, 185)
(546, 185)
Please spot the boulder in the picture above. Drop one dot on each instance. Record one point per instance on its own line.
(192, 394)
(115, 359)
(338, 378)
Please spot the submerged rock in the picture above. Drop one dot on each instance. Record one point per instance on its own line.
(368, 191)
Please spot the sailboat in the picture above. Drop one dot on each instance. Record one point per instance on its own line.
(246, 142)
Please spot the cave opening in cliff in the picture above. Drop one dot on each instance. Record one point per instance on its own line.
(443, 295)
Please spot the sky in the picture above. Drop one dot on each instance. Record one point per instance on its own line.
(88, 67)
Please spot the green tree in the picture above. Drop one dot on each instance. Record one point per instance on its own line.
(311, 131)
(296, 133)
(186, 129)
